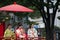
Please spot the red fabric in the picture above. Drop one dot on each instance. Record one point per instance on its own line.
(15, 8)
(3, 24)
(17, 34)
(1, 31)
(26, 37)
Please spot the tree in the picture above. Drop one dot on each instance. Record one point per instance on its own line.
(48, 18)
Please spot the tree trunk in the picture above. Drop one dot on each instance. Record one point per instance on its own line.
(49, 26)
(49, 32)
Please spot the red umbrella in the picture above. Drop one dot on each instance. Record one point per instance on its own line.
(15, 8)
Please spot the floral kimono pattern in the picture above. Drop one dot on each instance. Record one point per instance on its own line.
(20, 33)
(32, 32)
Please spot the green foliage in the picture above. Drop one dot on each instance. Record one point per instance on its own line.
(28, 22)
(36, 13)
(21, 15)
(7, 2)
(4, 17)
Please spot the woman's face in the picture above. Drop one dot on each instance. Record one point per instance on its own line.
(9, 26)
(20, 27)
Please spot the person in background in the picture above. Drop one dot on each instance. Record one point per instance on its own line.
(9, 34)
(1, 31)
(32, 33)
(20, 32)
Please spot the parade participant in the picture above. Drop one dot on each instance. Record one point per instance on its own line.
(32, 33)
(20, 32)
(8, 35)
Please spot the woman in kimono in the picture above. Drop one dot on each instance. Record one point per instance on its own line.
(9, 34)
(32, 33)
(20, 32)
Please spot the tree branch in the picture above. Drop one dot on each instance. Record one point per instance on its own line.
(54, 12)
(40, 7)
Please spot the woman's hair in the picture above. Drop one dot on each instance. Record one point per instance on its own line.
(8, 24)
(30, 25)
(19, 24)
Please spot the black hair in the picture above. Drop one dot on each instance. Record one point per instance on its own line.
(8, 24)
(19, 24)
(30, 25)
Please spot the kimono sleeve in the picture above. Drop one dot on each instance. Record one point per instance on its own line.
(35, 33)
(28, 32)
(5, 33)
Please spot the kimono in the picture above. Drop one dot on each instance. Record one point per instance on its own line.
(9, 34)
(32, 33)
(20, 33)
